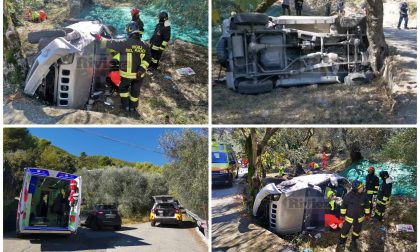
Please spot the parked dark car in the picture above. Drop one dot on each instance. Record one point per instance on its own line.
(102, 216)
(166, 210)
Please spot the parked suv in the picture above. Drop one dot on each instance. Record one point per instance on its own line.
(103, 215)
(166, 210)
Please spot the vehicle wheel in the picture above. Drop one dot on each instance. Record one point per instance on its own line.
(248, 87)
(251, 19)
(355, 79)
(35, 37)
(117, 227)
(94, 225)
(351, 21)
(19, 234)
(153, 223)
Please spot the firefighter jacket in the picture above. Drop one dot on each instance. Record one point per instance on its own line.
(161, 36)
(355, 206)
(372, 184)
(384, 192)
(333, 208)
(134, 54)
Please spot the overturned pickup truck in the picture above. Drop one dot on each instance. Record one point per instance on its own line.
(262, 52)
(298, 204)
(69, 66)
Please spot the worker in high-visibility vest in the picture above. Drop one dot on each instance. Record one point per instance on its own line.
(134, 58)
(160, 39)
(354, 210)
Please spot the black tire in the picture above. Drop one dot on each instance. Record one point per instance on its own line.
(221, 50)
(356, 79)
(248, 87)
(251, 18)
(35, 37)
(153, 223)
(117, 227)
(94, 225)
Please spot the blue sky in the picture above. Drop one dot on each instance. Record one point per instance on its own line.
(122, 143)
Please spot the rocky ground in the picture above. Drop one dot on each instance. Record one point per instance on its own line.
(166, 97)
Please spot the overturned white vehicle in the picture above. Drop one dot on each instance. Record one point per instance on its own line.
(262, 52)
(298, 204)
(68, 65)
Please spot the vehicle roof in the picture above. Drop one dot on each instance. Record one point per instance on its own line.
(50, 173)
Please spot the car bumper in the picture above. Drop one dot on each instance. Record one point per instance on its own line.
(167, 220)
(110, 222)
(221, 179)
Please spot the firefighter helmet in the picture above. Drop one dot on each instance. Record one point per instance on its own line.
(383, 174)
(132, 27)
(356, 184)
(135, 12)
(163, 16)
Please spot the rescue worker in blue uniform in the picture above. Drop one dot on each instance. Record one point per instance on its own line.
(134, 58)
(403, 14)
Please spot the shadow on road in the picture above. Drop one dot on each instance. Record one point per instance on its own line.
(85, 239)
(183, 225)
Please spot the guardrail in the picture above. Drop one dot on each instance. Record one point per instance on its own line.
(202, 224)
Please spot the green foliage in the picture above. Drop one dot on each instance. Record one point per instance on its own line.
(17, 138)
(402, 147)
(187, 172)
(130, 189)
(56, 159)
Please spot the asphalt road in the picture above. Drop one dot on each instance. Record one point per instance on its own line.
(134, 237)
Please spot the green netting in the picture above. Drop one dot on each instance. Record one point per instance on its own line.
(120, 16)
(404, 176)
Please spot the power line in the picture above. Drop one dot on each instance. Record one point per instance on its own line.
(118, 141)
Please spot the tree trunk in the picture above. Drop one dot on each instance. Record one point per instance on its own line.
(264, 5)
(378, 49)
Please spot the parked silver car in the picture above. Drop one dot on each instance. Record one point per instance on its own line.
(298, 204)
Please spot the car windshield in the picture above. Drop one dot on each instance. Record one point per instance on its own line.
(105, 207)
(166, 205)
(218, 157)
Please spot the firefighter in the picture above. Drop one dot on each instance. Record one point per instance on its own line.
(134, 60)
(384, 195)
(372, 185)
(354, 210)
(160, 39)
(135, 16)
(332, 214)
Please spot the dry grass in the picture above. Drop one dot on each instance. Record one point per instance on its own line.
(315, 104)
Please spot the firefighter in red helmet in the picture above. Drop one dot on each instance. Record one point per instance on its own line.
(135, 16)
